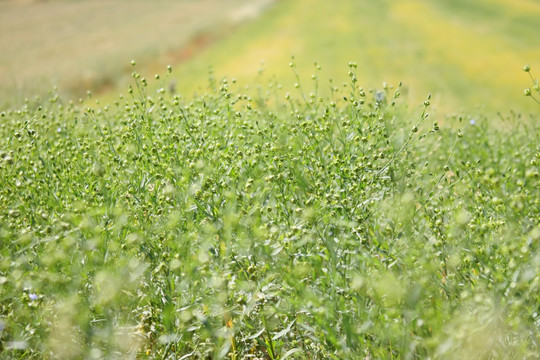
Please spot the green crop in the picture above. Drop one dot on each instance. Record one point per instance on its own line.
(234, 225)
(535, 91)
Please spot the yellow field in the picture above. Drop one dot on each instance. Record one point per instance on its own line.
(468, 54)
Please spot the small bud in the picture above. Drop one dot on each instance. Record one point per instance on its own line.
(527, 92)
(169, 69)
(527, 68)
(133, 63)
(415, 129)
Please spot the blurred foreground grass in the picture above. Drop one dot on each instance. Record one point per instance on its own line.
(229, 226)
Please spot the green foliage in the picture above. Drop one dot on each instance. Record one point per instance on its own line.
(232, 225)
(535, 91)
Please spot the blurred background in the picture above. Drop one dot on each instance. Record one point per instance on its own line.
(468, 54)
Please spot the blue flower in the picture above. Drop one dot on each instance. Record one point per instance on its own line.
(380, 96)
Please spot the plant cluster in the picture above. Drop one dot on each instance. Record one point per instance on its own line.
(535, 91)
(239, 226)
